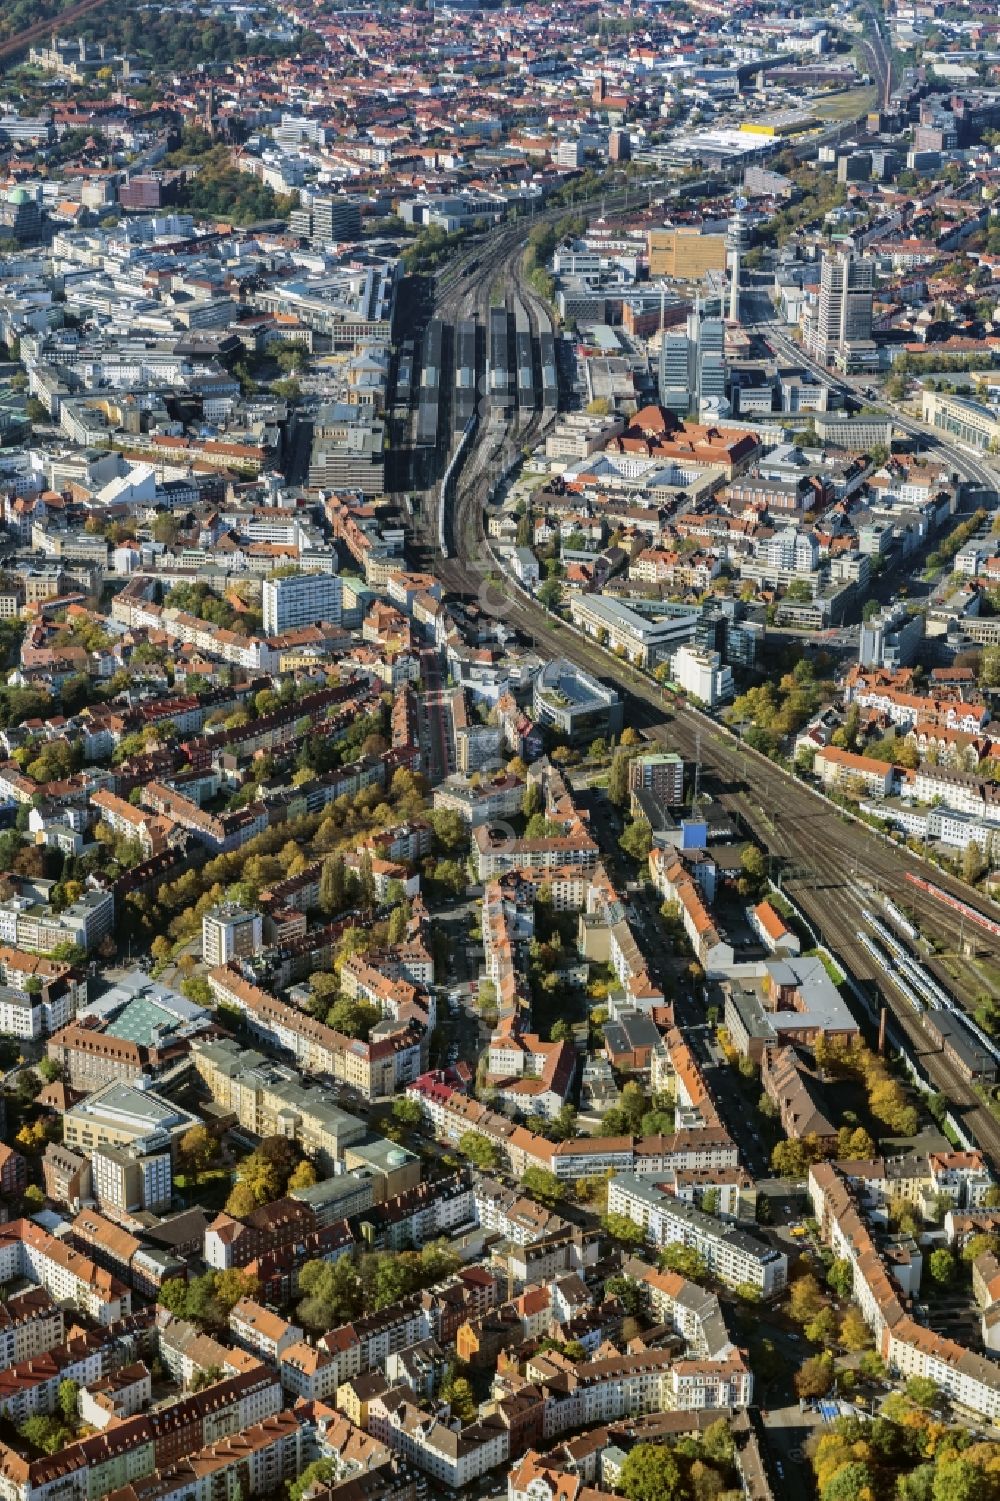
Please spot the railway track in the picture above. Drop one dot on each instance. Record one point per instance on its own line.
(829, 863)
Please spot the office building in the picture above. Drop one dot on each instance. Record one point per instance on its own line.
(619, 146)
(891, 638)
(131, 1180)
(675, 371)
(646, 633)
(575, 704)
(970, 422)
(702, 675)
(723, 627)
(844, 316)
(706, 340)
(335, 219)
(127, 1116)
(301, 599)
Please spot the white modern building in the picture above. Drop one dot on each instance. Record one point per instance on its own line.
(702, 675)
(642, 636)
(575, 704)
(301, 599)
(230, 932)
(733, 1256)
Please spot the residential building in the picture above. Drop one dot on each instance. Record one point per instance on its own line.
(230, 932)
(734, 1256)
(300, 599)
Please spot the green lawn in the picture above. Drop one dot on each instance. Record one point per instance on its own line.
(848, 105)
(835, 974)
(208, 1190)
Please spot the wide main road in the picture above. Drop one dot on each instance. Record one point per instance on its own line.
(975, 468)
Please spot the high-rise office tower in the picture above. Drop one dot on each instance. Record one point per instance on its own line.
(707, 336)
(335, 219)
(846, 294)
(675, 371)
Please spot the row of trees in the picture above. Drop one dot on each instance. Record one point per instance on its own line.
(794, 1157)
(334, 1292)
(954, 542)
(693, 1468)
(208, 1300)
(810, 1307)
(842, 1058)
(268, 1173)
(904, 1453)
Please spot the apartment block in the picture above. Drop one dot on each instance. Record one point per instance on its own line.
(729, 1254)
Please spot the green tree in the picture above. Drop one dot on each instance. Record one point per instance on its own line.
(550, 593)
(458, 1392)
(353, 1018)
(821, 1329)
(322, 1472)
(961, 1480)
(790, 1160)
(651, 1473)
(753, 863)
(407, 1112)
(979, 1245)
(303, 1176)
(198, 1149)
(331, 1292)
(941, 1265)
(450, 831)
(68, 1395)
(399, 919)
(481, 1152)
(921, 1391)
(973, 863)
(854, 1332)
(872, 1366)
(685, 1260)
(543, 1186)
(618, 789)
(637, 839)
(532, 802)
(631, 1295)
(623, 1230)
(805, 1299)
(840, 1277)
(234, 1284)
(333, 884)
(46, 1433)
(852, 1482)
